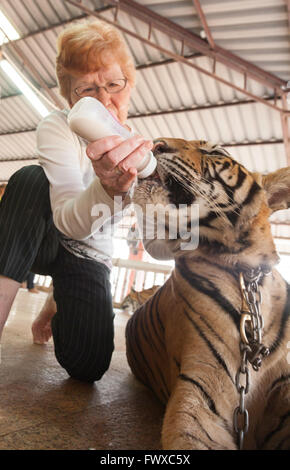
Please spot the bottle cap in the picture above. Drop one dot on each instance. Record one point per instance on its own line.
(149, 168)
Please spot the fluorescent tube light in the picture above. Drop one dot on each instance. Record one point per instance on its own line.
(8, 29)
(22, 85)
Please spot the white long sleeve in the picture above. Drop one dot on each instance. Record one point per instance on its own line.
(74, 188)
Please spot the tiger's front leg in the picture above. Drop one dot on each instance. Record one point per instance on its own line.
(273, 431)
(193, 422)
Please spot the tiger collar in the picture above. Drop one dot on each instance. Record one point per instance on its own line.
(254, 274)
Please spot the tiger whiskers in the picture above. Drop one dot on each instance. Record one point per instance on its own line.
(205, 180)
(192, 187)
(188, 185)
(196, 191)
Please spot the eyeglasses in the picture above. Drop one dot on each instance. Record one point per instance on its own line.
(115, 86)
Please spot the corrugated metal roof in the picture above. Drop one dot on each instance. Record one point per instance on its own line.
(172, 99)
(257, 31)
(16, 114)
(168, 87)
(17, 146)
(9, 168)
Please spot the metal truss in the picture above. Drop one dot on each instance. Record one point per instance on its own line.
(208, 48)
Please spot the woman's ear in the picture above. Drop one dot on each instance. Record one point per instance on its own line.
(277, 187)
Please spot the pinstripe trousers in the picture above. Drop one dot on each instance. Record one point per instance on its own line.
(83, 330)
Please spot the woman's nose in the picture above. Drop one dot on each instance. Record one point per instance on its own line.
(104, 97)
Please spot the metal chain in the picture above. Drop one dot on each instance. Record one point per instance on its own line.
(241, 415)
(252, 349)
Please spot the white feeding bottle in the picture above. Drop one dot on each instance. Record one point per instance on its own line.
(89, 119)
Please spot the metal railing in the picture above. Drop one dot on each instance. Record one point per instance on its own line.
(140, 275)
(42, 282)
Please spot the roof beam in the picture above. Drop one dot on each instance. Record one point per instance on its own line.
(161, 113)
(230, 144)
(157, 63)
(276, 222)
(196, 108)
(19, 131)
(288, 12)
(204, 23)
(250, 144)
(285, 129)
(138, 67)
(19, 159)
(285, 116)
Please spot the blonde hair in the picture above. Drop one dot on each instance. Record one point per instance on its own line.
(85, 47)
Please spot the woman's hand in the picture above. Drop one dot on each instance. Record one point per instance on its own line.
(115, 159)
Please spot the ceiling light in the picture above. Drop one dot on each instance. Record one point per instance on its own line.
(8, 31)
(24, 88)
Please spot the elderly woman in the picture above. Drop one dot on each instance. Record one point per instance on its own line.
(47, 224)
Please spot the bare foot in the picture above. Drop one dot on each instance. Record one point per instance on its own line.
(34, 290)
(41, 330)
(41, 327)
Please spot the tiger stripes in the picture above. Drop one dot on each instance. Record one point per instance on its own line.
(184, 342)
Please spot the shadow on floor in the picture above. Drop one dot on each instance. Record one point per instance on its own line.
(42, 409)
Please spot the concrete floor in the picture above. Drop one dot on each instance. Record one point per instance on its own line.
(42, 409)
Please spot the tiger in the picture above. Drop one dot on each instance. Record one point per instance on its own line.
(193, 342)
(135, 299)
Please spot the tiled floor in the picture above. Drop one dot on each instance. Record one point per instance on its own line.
(41, 408)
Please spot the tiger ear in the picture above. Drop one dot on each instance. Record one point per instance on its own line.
(277, 187)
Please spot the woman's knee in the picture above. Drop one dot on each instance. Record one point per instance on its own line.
(25, 217)
(83, 327)
(30, 185)
(27, 176)
(93, 375)
(84, 352)
(91, 369)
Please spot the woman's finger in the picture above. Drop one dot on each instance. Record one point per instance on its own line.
(136, 157)
(121, 182)
(95, 150)
(112, 158)
(125, 181)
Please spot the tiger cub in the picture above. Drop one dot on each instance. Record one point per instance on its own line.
(212, 342)
(135, 299)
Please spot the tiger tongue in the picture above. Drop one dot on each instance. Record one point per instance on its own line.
(155, 175)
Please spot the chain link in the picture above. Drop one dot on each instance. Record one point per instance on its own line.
(252, 349)
(242, 412)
